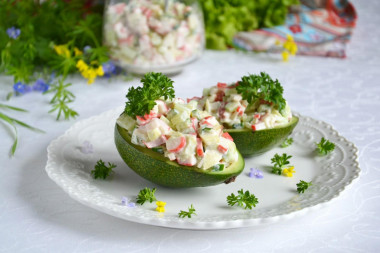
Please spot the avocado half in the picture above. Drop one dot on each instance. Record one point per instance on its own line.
(158, 169)
(254, 143)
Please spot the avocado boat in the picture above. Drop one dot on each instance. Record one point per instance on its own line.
(173, 143)
(253, 111)
(158, 169)
(253, 143)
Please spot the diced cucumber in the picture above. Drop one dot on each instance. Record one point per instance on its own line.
(126, 122)
(232, 106)
(154, 134)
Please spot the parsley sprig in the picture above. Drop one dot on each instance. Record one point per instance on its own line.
(142, 99)
(262, 87)
(243, 199)
(325, 147)
(145, 195)
(287, 142)
(183, 214)
(102, 170)
(279, 162)
(302, 186)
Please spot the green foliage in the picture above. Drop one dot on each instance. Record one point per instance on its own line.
(62, 97)
(302, 186)
(255, 88)
(13, 122)
(223, 18)
(287, 142)
(325, 147)
(145, 195)
(142, 99)
(279, 162)
(101, 170)
(183, 214)
(243, 199)
(42, 25)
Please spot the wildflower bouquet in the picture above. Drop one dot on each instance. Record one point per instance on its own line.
(42, 42)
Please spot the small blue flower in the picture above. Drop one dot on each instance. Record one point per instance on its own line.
(124, 201)
(13, 32)
(109, 69)
(40, 85)
(87, 148)
(131, 204)
(86, 49)
(21, 88)
(256, 173)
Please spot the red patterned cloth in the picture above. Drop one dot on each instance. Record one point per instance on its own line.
(320, 28)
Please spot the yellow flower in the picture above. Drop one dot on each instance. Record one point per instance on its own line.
(288, 45)
(277, 43)
(82, 66)
(160, 206)
(99, 71)
(62, 50)
(289, 171)
(289, 37)
(293, 49)
(285, 55)
(89, 72)
(77, 51)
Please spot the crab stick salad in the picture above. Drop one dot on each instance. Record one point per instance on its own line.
(182, 132)
(255, 103)
(144, 33)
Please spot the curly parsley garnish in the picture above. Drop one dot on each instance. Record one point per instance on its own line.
(279, 162)
(287, 142)
(243, 199)
(145, 195)
(101, 170)
(142, 99)
(261, 87)
(302, 186)
(325, 146)
(183, 214)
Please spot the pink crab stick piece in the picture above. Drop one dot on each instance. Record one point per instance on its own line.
(176, 144)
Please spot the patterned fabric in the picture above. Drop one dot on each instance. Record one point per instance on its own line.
(319, 28)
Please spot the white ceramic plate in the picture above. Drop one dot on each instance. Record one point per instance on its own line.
(278, 199)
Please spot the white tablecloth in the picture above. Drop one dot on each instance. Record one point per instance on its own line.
(37, 216)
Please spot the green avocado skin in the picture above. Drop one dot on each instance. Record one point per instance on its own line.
(254, 143)
(160, 170)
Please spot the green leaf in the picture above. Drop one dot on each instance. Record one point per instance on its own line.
(262, 89)
(101, 170)
(10, 122)
(145, 195)
(188, 214)
(279, 162)
(325, 147)
(13, 108)
(245, 199)
(302, 186)
(142, 99)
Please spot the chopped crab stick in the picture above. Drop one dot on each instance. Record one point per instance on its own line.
(227, 136)
(199, 148)
(157, 142)
(176, 144)
(222, 149)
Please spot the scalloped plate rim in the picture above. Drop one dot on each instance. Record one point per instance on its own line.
(189, 224)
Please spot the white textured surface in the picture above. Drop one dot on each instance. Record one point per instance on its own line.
(69, 167)
(37, 216)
